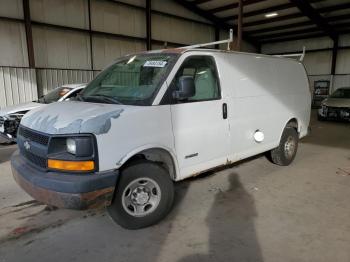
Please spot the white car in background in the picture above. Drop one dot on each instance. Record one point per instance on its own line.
(336, 106)
(11, 116)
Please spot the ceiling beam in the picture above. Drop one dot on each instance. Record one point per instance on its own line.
(298, 15)
(337, 18)
(281, 27)
(261, 11)
(291, 38)
(267, 10)
(272, 20)
(198, 2)
(290, 33)
(215, 20)
(233, 6)
(298, 24)
(307, 10)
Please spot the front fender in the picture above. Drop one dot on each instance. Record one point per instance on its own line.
(142, 148)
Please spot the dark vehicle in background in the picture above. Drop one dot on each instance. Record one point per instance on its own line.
(11, 116)
(336, 106)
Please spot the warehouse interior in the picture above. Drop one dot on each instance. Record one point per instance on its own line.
(250, 210)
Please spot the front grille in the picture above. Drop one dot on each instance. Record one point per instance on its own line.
(37, 150)
(33, 136)
(34, 159)
(2, 121)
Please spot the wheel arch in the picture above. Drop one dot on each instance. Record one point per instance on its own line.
(292, 122)
(154, 153)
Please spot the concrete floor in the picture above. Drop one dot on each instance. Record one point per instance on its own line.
(253, 211)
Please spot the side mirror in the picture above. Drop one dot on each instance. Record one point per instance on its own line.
(186, 88)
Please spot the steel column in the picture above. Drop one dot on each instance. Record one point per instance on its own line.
(334, 56)
(239, 25)
(149, 24)
(90, 37)
(29, 34)
(217, 37)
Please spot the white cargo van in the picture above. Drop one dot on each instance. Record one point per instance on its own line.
(154, 118)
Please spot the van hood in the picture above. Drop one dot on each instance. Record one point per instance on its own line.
(19, 108)
(337, 102)
(72, 117)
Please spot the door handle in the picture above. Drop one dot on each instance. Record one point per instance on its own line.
(224, 111)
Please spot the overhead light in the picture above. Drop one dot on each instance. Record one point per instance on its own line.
(271, 15)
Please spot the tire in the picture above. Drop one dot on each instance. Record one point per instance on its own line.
(144, 195)
(285, 153)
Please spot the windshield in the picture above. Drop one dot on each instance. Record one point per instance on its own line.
(133, 80)
(54, 95)
(341, 93)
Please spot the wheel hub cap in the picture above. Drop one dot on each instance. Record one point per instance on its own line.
(141, 197)
(289, 147)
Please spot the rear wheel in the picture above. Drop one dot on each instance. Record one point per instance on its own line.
(144, 195)
(285, 153)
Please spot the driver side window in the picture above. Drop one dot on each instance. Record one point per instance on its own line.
(203, 71)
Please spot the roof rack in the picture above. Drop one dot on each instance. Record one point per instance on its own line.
(300, 55)
(228, 41)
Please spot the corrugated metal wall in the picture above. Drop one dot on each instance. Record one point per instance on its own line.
(51, 78)
(63, 50)
(318, 64)
(17, 85)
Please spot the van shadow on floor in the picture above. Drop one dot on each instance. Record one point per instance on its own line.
(230, 221)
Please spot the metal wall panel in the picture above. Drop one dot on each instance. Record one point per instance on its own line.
(107, 49)
(11, 8)
(318, 63)
(171, 7)
(343, 62)
(13, 44)
(344, 40)
(62, 12)
(341, 81)
(337, 82)
(55, 48)
(119, 19)
(297, 45)
(49, 79)
(17, 85)
(176, 30)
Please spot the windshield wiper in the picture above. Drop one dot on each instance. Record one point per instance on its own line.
(102, 98)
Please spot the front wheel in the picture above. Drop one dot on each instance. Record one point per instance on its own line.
(285, 153)
(144, 195)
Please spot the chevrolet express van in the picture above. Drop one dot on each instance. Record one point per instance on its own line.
(154, 118)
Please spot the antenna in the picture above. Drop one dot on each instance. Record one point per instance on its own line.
(229, 40)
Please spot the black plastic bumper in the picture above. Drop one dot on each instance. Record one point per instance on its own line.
(67, 190)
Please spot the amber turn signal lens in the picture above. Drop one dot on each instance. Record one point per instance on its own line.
(71, 165)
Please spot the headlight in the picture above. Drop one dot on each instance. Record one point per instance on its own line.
(73, 153)
(71, 146)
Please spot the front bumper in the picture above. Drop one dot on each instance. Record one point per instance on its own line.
(66, 190)
(334, 113)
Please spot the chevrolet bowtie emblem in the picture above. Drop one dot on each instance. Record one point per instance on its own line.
(26, 145)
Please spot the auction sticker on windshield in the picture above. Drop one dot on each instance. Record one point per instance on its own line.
(155, 63)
